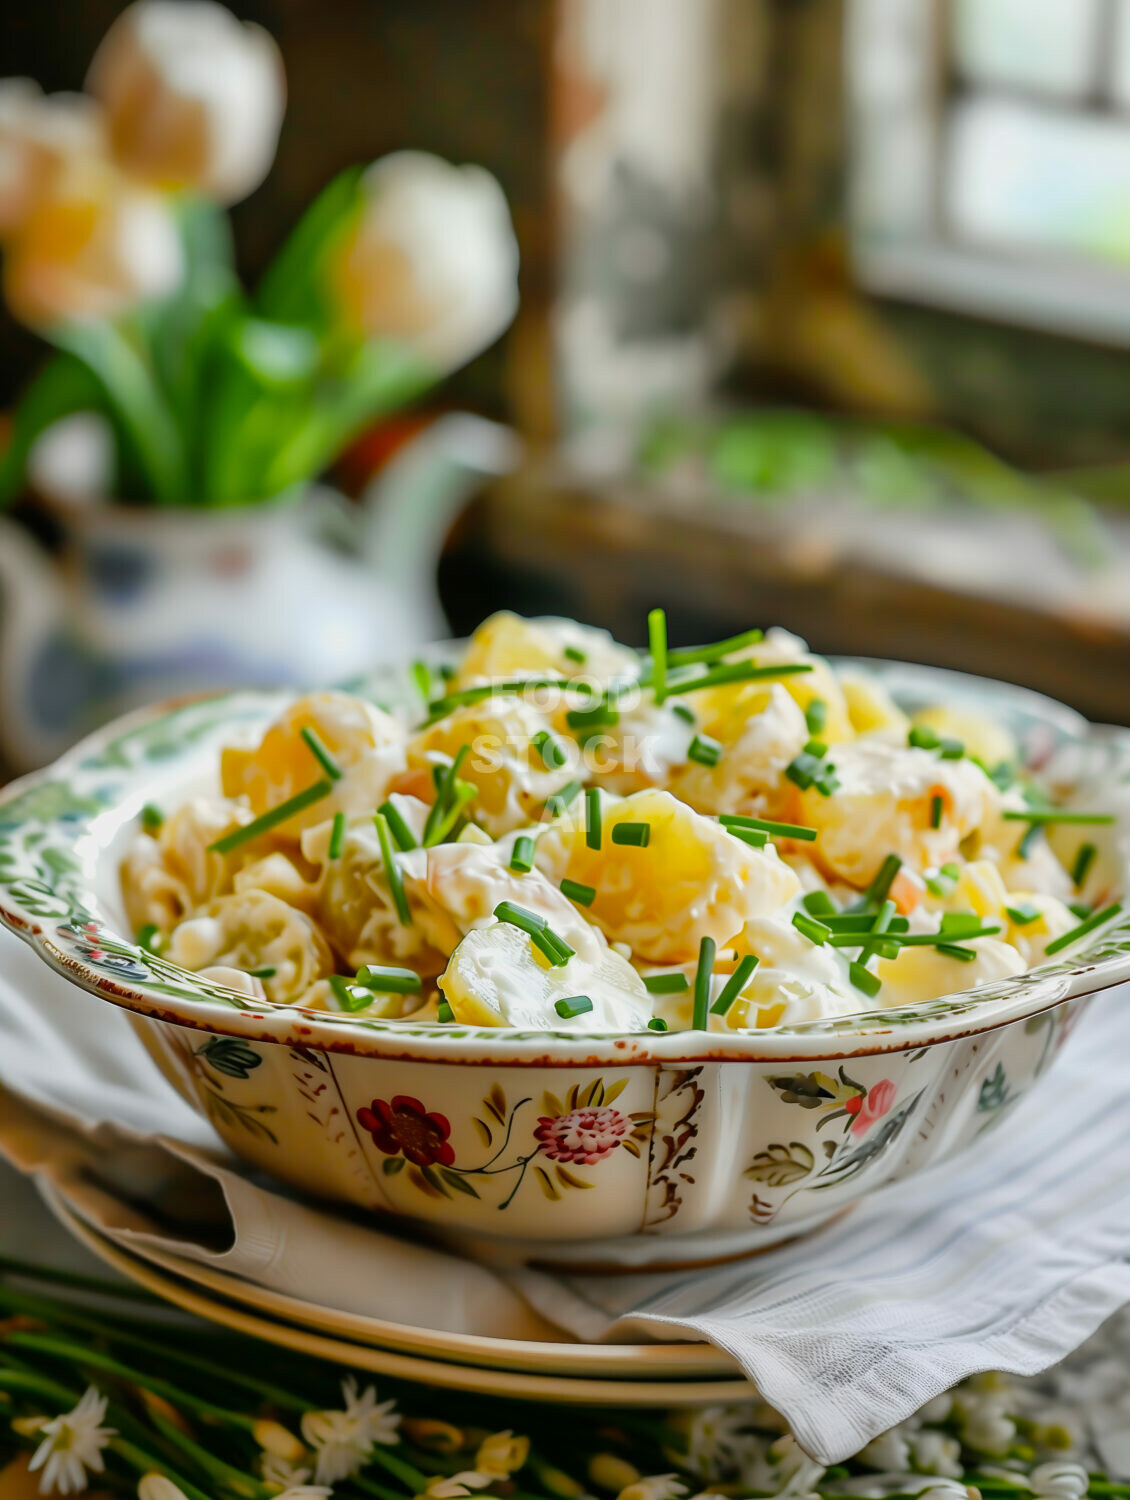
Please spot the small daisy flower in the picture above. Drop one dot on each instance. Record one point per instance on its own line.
(71, 1444)
(343, 1440)
(937, 1453)
(715, 1439)
(1059, 1480)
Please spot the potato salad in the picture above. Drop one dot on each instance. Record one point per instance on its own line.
(566, 834)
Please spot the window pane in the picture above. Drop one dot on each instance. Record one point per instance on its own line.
(1038, 179)
(1051, 46)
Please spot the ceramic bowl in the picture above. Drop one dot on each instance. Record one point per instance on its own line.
(659, 1149)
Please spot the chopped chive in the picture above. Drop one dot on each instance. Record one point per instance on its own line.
(1002, 775)
(444, 1012)
(657, 644)
(819, 904)
(1089, 925)
(347, 995)
(583, 895)
(1055, 815)
(522, 854)
(951, 749)
(422, 677)
(453, 821)
(439, 707)
(593, 820)
(561, 801)
(574, 653)
(599, 715)
(860, 922)
(802, 771)
(735, 984)
(273, 817)
(816, 747)
(520, 916)
(573, 1005)
(922, 738)
(954, 950)
(448, 671)
(751, 836)
(959, 924)
(1080, 909)
(439, 771)
(152, 818)
(439, 813)
(665, 984)
(879, 889)
(704, 750)
(555, 948)
(389, 981)
(268, 971)
(706, 951)
(684, 713)
(636, 834)
(337, 836)
(1031, 834)
(863, 979)
(403, 835)
(550, 748)
(813, 930)
(1084, 859)
(940, 939)
(816, 716)
(392, 872)
(320, 753)
(687, 656)
(879, 927)
(148, 937)
(738, 671)
(942, 884)
(1022, 915)
(657, 1023)
(828, 783)
(765, 825)
(937, 803)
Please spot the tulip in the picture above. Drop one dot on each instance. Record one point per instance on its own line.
(39, 136)
(94, 248)
(431, 260)
(194, 98)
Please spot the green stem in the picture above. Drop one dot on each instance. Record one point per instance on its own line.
(215, 1468)
(145, 1463)
(133, 394)
(405, 1472)
(37, 1307)
(94, 1359)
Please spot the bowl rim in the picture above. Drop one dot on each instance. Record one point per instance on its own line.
(63, 921)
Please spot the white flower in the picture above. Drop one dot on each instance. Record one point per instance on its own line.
(715, 1439)
(501, 1454)
(343, 1440)
(937, 1453)
(985, 1423)
(936, 1410)
(432, 261)
(95, 247)
(455, 1486)
(656, 1487)
(40, 135)
(1059, 1480)
(158, 1487)
(945, 1489)
(193, 97)
(72, 1444)
(890, 1450)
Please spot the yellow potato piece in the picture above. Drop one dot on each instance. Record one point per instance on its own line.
(252, 930)
(164, 879)
(693, 879)
(871, 708)
(366, 743)
(884, 805)
(503, 761)
(983, 738)
(505, 645)
(925, 974)
(761, 728)
(497, 977)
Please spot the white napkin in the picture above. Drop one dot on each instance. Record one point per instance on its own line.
(1007, 1259)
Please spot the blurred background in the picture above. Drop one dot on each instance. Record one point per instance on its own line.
(823, 319)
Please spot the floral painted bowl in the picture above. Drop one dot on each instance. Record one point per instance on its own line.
(649, 1148)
